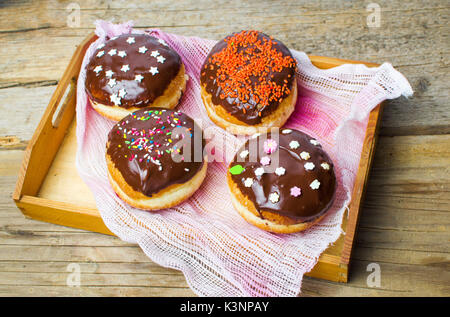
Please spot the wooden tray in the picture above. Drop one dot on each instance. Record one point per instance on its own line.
(49, 188)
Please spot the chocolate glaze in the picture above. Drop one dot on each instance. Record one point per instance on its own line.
(248, 111)
(138, 93)
(141, 144)
(311, 203)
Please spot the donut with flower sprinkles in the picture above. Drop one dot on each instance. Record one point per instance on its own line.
(290, 196)
(131, 71)
(249, 74)
(142, 147)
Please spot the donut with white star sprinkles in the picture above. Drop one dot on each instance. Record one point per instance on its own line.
(134, 71)
(287, 185)
(248, 82)
(155, 158)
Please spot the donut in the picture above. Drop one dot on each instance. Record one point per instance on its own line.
(133, 71)
(154, 158)
(248, 83)
(282, 182)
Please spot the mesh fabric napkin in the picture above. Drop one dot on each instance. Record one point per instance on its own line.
(219, 253)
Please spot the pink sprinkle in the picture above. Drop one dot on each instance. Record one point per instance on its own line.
(270, 146)
(265, 160)
(295, 191)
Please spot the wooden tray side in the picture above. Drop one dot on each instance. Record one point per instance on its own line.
(47, 140)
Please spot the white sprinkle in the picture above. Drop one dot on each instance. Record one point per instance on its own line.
(162, 42)
(154, 70)
(115, 99)
(315, 184)
(286, 131)
(244, 154)
(112, 82)
(309, 166)
(138, 78)
(142, 49)
(122, 93)
(112, 52)
(186, 169)
(259, 171)
(125, 68)
(109, 73)
(280, 171)
(325, 166)
(130, 40)
(154, 54)
(98, 69)
(160, 59)
(101, 46)
(314, 142)
(248, 182)
(274, 197)
(294, 144)
(305, 155)
(122, 54)
(100, 54)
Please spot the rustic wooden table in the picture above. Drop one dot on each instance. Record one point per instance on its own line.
(404, 226)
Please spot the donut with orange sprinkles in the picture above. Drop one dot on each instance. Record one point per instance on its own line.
(248, 83)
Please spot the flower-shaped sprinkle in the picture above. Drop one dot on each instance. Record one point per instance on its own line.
(309, 166)
(280, 171)
(294, 144)
(296, 191)
(305, 155)
(265, 160)
(315, 184)
(270, 146)
(314, 142)
(248, 182)
(325, 166)
(259, 171)
(274, 197)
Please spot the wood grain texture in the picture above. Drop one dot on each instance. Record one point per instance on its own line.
(404, 226)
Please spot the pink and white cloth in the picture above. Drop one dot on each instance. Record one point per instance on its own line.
(219, 253)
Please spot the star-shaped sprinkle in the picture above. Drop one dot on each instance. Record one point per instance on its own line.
(270, 146)
(101, 46)
(154, 54)
(305, 155)
(98, 69)
(309, 166)
(274, 197)
(286, 131)
(294, 144)
(259, 171)
(160, 59)
(154, 70)
(162, 42)
(122, 93)
(112, 82)
(130, 40)
(243, 154)
(265, 160)
(125, 68)
(325, 166)
(122, 54)
(296, 191)
(109, 73)
(142, 49)
(114, 38)
(248, 182)
(115, 99)
(280, 171)
(138, 78)
(100, 54)
(315, 184)
(314, 142)
(112, 52)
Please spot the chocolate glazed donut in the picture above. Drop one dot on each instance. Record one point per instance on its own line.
(133, 71)
(143, 168)
(294, 194)
(248, 80)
